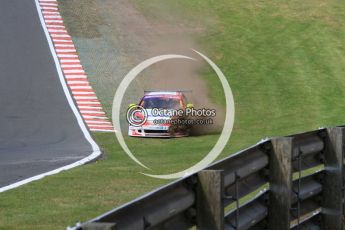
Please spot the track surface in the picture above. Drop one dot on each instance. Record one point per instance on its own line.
(38, 130)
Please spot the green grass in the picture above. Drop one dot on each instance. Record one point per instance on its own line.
(87, 191)
(285, 61)
(177, 154)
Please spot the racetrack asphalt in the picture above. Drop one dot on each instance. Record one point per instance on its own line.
(38, 130)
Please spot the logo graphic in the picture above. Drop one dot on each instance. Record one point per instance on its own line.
(224, 136)
(136, 115)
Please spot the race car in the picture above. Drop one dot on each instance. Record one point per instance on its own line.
(159, 114)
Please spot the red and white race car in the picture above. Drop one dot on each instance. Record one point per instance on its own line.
(159, 114)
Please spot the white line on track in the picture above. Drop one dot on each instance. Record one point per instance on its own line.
(75, 76)
(71, 65)
(69, 60)
(84, 97)
(90, 107)
(52, 16)
(62, 41)
(63, 45)
(88, 103)
(60, 35)
(102, 130)
(81, 87)
(101, 126)
(57, 30)
(66, 50)
(51, 13)
(67, 55)
(91, 111)
(71, 82)
(95, 149)
(83, 94)
(73, 71)
(49, 21)
(99, 122)
(55, 26)
(98, 117)
(49, 4)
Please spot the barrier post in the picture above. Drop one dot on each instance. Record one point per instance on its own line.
(210, 207)
(332, 204)
(280, 183)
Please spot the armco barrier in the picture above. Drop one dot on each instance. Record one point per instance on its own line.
(294, 182)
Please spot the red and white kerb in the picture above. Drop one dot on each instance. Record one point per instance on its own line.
(76, 78)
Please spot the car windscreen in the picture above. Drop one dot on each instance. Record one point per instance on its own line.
(160, 103)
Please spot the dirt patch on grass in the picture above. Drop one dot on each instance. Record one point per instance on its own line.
(114, 36)
(150, 37)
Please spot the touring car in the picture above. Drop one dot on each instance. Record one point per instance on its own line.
(161, 120)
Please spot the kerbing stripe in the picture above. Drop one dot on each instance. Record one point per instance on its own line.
(71, 67)
(95, 149)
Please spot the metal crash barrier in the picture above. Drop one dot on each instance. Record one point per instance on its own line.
(293, 182)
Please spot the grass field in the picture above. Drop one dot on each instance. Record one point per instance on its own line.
(285, 62)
